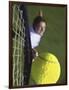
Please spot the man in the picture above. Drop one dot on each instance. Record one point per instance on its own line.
(36, 32)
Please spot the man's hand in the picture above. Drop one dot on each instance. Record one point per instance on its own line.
(35, 53)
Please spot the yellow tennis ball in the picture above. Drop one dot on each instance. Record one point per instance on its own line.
(45, 69)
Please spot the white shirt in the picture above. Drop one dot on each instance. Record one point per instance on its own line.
(35, 38)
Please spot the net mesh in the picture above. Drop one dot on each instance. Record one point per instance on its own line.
(18, 46)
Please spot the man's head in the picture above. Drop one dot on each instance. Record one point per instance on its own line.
(39, 25)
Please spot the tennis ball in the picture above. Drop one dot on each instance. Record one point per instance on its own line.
(45, 69)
